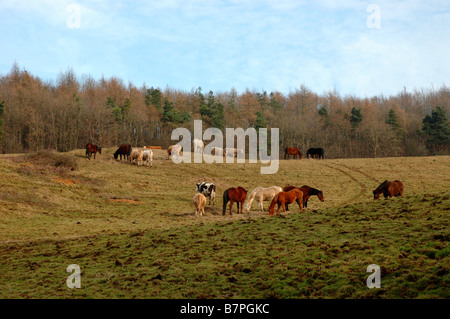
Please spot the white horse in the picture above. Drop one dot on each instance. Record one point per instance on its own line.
(198, 145)
(261, 194)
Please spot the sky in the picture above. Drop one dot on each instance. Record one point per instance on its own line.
(360, 48)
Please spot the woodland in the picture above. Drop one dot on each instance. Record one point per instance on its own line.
(70, 111)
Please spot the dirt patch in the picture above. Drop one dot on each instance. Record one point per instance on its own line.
(65, 181)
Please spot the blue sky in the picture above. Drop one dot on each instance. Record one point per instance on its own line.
(362, 48)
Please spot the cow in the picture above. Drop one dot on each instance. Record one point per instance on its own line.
(207, 189)
(92, 149)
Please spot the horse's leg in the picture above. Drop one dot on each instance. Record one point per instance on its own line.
(300, 204)
(287, 207)
(231, 205)
(279, 207)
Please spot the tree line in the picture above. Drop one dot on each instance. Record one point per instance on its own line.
(69, 112)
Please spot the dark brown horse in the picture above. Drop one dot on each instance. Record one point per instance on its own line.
(307, 192)
(292, 151)
(389, 189)
(315, 153)
(284, 198)
(232, 195)
(123, 150)
(92, 149)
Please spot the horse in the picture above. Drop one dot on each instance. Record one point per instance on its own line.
(217, 151)
(123, 150)
(233, 152)
(315, 152)
(232, 195)
(92, 149)
(261, 194)
(389, 189)
(174, 150)
(292, 151)
(284, 198)
(199, 201)
(307, 192)
(198, 145)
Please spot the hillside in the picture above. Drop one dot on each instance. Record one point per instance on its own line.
(133, 231)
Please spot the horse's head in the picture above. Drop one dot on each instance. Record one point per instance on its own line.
(99, 149)
(320, 195)
(116, 155)
(376, 195)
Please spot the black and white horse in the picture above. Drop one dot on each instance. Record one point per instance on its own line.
(207, 189)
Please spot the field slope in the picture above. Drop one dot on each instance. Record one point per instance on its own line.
(133, 232)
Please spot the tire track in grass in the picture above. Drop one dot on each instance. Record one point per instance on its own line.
(363, 188)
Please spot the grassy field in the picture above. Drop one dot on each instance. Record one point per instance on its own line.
(133, 232)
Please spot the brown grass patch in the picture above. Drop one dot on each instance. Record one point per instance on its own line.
(65, 181)
(124, 200)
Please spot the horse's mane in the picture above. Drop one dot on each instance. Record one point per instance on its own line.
(382, 185)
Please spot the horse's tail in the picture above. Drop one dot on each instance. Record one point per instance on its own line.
(129, 150)
(225, 201)
(250, 198)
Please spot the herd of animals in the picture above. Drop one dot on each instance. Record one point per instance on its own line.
(280, 197)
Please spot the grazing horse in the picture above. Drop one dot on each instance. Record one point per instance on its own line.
(292, 151)
(232, 195)
(389, 189)
(198, 146)
(174, 150)
(233, 152)
(261, 194)
(92, 149)
(284, 198)
(199, 201)
(123, 150)
(307, 192)
(315, 152)
(217, 151)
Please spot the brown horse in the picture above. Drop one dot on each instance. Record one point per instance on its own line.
(232, 195)
(92, 149)
(292, 151)
(284, 198)
(307, 192)
(389, 189)
(123, 150)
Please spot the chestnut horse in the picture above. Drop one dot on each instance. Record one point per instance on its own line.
(232, 195)
(307, 192)
(292, 151)
(283, 198)
(389, 189)
(92, 149)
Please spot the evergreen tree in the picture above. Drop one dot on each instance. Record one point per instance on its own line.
(436, 130)
(154, 97)
(323, 112)
(172, 116)
(212, 112)
(356, 117)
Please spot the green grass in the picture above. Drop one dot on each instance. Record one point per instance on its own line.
(154, 247)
